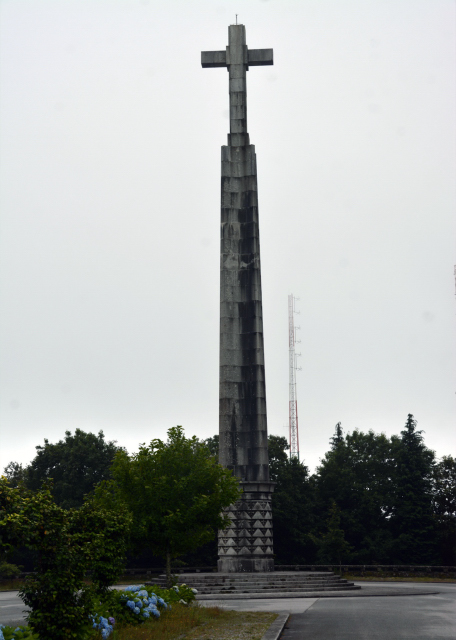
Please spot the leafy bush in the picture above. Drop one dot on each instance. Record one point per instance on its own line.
(68, 544)
(8, 570)
(137, 603)
(18, 633)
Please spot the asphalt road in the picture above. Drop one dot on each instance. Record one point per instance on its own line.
(11, 608)
(399, 617)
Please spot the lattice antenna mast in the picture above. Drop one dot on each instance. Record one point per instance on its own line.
(293, 400)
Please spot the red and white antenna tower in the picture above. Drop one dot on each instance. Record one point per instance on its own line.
(293, 401)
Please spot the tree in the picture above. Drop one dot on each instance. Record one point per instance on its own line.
(175, 491)
(213, 445)
(444, 507)
(68, 543)
(292, 504)
(357, 474)
(76, 464)
(412, 522)
(332, 545)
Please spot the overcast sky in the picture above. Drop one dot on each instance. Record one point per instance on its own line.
(110, 213)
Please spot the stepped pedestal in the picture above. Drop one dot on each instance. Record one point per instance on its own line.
(246, 544)
(273, 584)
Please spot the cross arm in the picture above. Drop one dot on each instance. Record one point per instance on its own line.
(213, 59)
(260, 57)
(256, 58)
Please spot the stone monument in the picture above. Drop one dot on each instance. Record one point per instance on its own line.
(246, 545)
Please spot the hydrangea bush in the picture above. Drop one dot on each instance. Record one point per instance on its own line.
(137, 603)
(132, 605)
(17, 633)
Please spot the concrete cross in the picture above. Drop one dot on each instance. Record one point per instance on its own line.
(237, 58)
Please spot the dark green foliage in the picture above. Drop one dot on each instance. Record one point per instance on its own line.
(338, 437)
(332, 546)
(9, 570)
(292, 505)
(213, 445)
(444, 507)
(75, 464)
(19, 633)
(412, 522)
(68, 543)
(357, 474)
(175, 491)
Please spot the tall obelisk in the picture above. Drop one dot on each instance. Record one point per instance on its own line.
(246, 545)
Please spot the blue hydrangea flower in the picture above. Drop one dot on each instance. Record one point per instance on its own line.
(136, 610)
(143, 594)
(104, 624)
(134, 587)
(131, 605)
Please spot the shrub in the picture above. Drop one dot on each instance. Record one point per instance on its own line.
(8, 570)
(68, 543)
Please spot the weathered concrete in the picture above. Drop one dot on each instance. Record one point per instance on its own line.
(247, 543)
(261, 585)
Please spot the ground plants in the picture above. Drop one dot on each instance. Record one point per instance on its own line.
(68, 543)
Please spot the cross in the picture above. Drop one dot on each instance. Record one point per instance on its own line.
(237, 58)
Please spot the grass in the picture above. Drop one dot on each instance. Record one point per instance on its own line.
(201, 623)
(12, 584)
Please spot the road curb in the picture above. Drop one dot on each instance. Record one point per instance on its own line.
(276, 628)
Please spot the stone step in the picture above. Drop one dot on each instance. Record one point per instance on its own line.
(251, 587)
(262, 583)
(252, 577)
(289, 580)
(269, 591)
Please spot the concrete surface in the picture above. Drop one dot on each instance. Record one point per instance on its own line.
(361, 616)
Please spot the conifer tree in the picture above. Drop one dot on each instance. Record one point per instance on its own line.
(412, 522)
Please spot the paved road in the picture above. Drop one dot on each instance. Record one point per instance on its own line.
(11, 608)
(417, 617)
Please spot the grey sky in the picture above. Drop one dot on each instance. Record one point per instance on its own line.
(110, 178)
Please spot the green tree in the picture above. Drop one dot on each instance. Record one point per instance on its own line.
(412, 522)
(175, 491)
(332, 546)
(213, 445)
(68, 543)
(357, 473)
(444, 507)
(76, 464)
(292, 505)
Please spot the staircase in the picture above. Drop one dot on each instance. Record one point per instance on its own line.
(266, 584)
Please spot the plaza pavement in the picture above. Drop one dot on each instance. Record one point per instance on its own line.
(380, 611)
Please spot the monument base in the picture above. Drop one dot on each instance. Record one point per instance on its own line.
(245, 546)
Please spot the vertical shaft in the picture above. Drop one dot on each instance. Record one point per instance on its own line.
(246, 544)
(243, 426)
(293, 402)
